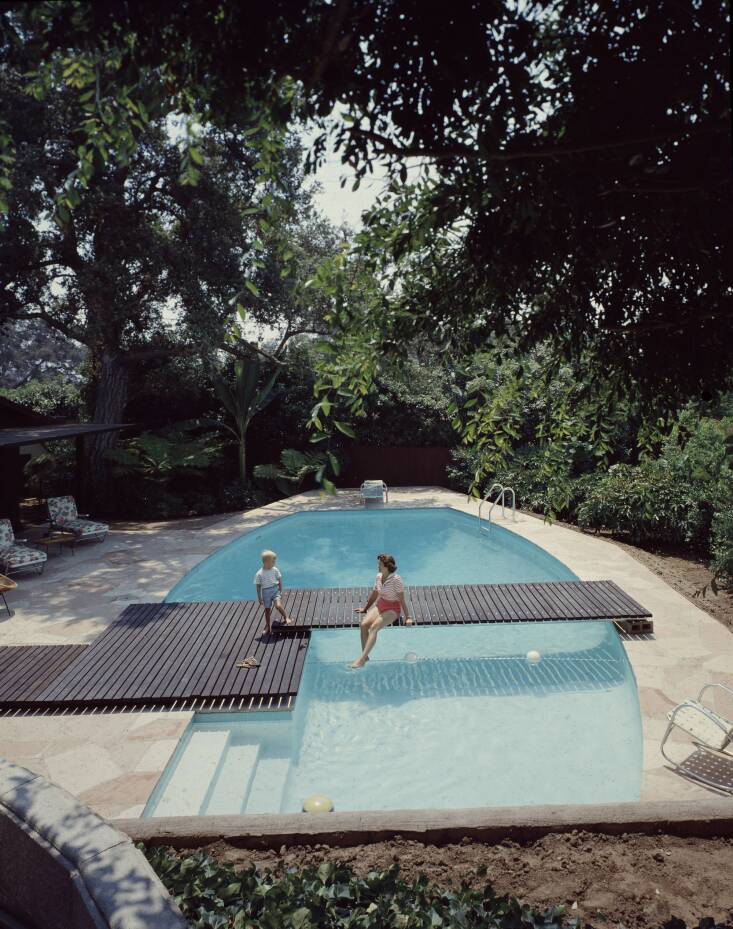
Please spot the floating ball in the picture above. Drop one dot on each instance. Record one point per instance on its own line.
(533, 656)
(318, 803)
(411, 657)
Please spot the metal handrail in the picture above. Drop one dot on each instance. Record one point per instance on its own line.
(500, 498)
(493, 504)
(505, 491)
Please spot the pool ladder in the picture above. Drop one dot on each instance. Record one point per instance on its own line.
(500, 497)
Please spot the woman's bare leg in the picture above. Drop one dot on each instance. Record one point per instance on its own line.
(385, 619)
(366, 623)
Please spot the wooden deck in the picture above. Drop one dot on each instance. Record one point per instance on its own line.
(184, 655)
(27, 670)
(554, 601)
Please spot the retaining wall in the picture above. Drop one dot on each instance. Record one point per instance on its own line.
(702, 818)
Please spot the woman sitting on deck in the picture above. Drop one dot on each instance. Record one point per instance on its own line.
(385, 603)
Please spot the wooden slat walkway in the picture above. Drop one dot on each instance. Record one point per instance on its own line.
(26, 670)
(552, 601)
(184, 655)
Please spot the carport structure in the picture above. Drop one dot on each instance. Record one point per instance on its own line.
(21, 427)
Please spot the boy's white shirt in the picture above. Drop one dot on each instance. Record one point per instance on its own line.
(268, 577)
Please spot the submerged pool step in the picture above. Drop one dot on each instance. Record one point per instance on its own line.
(268, 786)
(186, 791)
(233, 780)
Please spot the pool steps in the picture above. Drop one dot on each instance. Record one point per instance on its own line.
(268, 786)
(234, 778)
(186, 791)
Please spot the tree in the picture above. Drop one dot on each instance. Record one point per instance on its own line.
(244, 400)
(577, 183)
(145, 267)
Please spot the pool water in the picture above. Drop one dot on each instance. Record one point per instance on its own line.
(441, 718)
(437, 545)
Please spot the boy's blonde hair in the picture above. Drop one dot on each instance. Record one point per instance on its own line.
(268, 554)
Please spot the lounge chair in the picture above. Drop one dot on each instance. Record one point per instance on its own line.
(64, 517)
(15, 557)
(712, 762)
(375, 492)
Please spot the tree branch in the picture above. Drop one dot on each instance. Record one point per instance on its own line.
(389, 147)
(54, 323)
(237, 352)
(338, 14)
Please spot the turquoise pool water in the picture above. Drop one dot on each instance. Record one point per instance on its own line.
(338, 549)
(469, 723)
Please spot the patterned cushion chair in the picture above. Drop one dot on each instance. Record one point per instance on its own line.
(64, 516)
(15, 557)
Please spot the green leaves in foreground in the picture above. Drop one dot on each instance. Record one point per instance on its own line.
(213, 896)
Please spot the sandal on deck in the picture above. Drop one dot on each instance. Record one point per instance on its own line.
(250, 662)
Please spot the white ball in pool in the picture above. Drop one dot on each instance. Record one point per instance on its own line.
(318, 803)
(533, 656)
(411, 657)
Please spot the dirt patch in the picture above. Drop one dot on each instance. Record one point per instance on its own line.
(683, 570)
(640, 881)
(687, 575)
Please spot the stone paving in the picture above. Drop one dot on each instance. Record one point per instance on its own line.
(113, 761)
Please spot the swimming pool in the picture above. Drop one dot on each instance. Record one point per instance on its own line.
(441, 718)
(434, 545)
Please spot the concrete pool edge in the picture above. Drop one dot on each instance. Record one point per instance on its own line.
(684, 818)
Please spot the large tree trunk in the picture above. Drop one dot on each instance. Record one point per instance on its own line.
(112, 389)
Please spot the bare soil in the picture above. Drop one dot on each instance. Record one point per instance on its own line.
(689, 576)
(639, 881)
(683, 569)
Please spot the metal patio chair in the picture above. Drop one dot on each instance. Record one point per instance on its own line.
(711, 764)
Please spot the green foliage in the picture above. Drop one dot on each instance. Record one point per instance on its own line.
(647, 502)
(295, 466)
(408, 404)
(214, 896)
(243, 400)
(722, 545)
(160, 457)
(54, 397)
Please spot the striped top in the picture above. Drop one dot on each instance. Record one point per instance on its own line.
(391, 588)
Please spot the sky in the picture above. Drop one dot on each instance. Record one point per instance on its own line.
(342, 204)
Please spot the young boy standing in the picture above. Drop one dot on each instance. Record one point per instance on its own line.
(269, 584)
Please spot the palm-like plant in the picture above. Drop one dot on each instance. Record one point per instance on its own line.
(158, 458)
(294, 466)
(242, 401)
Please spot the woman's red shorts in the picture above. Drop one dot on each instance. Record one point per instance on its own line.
(384, 605)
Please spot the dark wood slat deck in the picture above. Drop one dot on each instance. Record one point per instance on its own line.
(551, 601)
(26, 670)
(181, 653)
(175, 654)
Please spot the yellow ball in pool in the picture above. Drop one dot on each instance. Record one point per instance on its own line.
(318, 803)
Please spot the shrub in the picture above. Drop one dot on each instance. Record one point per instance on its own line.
(722, 545)
(295, 466)
(55, 397)
(647, 502)
(237, 496)
(214, 896)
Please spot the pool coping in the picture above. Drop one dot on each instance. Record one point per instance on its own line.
(686, 818)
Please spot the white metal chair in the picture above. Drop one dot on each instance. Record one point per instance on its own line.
(374, 492)
(712, 763)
